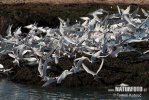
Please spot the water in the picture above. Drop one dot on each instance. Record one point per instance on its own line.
(14, 91)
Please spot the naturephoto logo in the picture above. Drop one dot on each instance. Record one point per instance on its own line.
(124, 90)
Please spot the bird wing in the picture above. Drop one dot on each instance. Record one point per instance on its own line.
(25, 51)
(101, 65)
(7, 70)
(128, 20)
(40, 70)
(143, 22)
(69, 40)
(64, 74)
(88, 70)
(85, 18)
(144, 12)
(135, 12)
(18, 31)
(8, 32)
(61, 20)
(56, 60)
(12, 55)
(49, 81)
(1, 66)
(32, 59)
(37, 52)
(146, 52)
(126, 11)
(119, 11)
(45, 64)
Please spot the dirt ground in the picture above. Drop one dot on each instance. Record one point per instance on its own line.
(139, 2)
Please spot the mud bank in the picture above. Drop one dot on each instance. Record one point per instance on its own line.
(127, 68)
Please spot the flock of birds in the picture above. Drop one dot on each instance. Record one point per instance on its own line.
(96, 37)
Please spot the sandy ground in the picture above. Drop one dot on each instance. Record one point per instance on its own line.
(139, 2)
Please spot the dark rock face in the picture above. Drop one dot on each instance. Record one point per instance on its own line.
(126, 68)
(19, 16)
(115, 71)
(45, 14)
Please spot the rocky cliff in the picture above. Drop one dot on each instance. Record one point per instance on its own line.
(126, 68)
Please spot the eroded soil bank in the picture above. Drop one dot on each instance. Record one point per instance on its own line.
(46, 15)
(127, 68)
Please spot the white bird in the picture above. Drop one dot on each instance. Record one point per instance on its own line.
(45, 65)
(3, 70)
(1, 66)
(119, 11)
(36, 51)
(7, 70)
(88, 70)
(135, 13)
(17, 32)
(97, 55)
(78, 62)
(8, 32)
(64, 74)
(145, 52)
(16, 57)
(56, 59)
(85, 23)
(69, 40)
(65, 24)
(32, 26)
(31, 60)
(115, 53)
(145, 13)
(126, 11)
(101, 65)
(49, 81)
(40, 67)
(25, 52)
(75, 69)
(135, 40)
(58, 79)
(42, 29)
(125, 14)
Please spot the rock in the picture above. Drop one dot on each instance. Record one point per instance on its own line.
(114, 72)
(126, 68)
